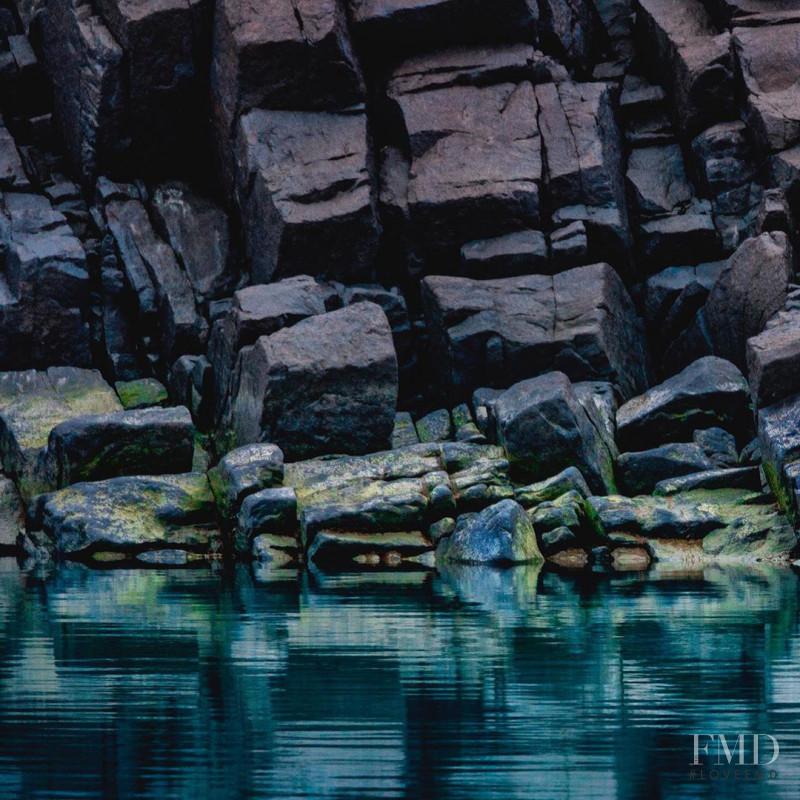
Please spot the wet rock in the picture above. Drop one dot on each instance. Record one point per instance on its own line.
(718, 445)
(501, 534)
(552, 488)
(326, 385)
(272, 510)
(543, 428)
(32, 404)
(435, 427)
(764, 536)
(679, 42)
(498, 332)
(141, 393)
(557, 540)
(566, 511)
(740, 478)
(404, 433)
(340, 548)
(12, 518)
(770, 66)
(779, 435)
(690, 515)
(197, 230)
(639, 472)
(305, 186)
(571, 558)
(773, 360)
(711, 392)
(243, 472)
(629, 559)
(132, 515)
(94, 447)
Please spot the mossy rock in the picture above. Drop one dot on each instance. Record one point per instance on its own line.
(141, 393)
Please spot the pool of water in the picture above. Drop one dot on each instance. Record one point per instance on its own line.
(478, 683)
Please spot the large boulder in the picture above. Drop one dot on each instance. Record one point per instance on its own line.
(498, 332)
(151, 441)
(304, 185)
(131, 515)
(770, 65)
(779, 435)
(773, 360)
(753, 286)
(475, 165)
(501, 534)
(581, 144)
(681, 44)
(638, 472)
(711, 392)
(32, 404)
(258, 311)
(326, 385)
(544, 429)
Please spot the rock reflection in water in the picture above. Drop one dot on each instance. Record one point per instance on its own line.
(475, 682)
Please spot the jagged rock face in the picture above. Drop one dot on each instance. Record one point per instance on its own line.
(497, 332)
(477, 231)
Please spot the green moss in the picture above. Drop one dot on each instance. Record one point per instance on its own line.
(141, 393)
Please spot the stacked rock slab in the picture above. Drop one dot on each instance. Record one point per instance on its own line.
(498, 332)
(32, 404)
(305, 189)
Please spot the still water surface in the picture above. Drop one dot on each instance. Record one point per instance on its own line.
(474, 684)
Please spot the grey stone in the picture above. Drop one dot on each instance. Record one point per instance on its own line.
(518, 253)
(501, 534)
(132, 515)
(718, 445)
(94, 447)
(435, 427)
(773, 361)
(739, 478)
(751, 289)
(711, 392)
(243, 472)
(12, 517)
(305, 187)
(543, 429)
(498, 332)
(657, 179)
(339, 548)
(326, 385)
(552, 488)
(271, 510)
(638, 472)
(404, 433)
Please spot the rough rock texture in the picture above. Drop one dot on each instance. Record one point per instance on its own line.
(131, 515)
(327, 384)
(305, 188)
(153, 441)
(711, 392)
(501, 534)
(497, 332)
(543, 429)
(32, 404)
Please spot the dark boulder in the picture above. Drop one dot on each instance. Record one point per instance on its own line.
(638, 472)
(326, 385)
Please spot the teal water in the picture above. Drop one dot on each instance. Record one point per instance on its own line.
(475, 684)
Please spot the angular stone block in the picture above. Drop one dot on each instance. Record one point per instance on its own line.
(305, 190)
(326, 385)
(498, 332)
